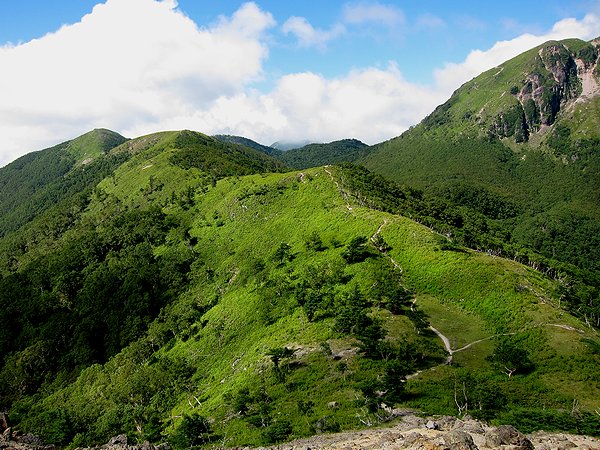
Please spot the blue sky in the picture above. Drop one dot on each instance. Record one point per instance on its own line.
(269, 70)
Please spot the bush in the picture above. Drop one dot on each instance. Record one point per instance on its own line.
(356, 250)
(277, 432)
(194, 430)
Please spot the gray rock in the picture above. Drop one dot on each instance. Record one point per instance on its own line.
(469, 426)
(31, 439)
(507, 435)
(459, 440)
(446, 423)
(121, 439)
(412, 438)
(431, 425)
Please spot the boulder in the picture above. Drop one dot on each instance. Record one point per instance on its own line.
(121, 439)
(507, 435)
(31, 439)
(459, 440)
(469, 426)
(431, 425)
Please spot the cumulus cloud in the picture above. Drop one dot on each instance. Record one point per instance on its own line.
(140, 66)
(452, 75)
(373, 12)
(307, 35)
(125, 63)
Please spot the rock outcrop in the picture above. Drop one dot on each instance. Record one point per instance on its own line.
(412, 432)
(442, 433)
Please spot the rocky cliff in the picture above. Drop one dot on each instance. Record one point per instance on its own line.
(559, 76)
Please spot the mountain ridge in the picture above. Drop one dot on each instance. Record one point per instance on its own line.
(187, 289)
(540, 159)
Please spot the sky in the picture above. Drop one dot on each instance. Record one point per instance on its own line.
(269, 70)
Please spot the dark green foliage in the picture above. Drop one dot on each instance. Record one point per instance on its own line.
(283, 253)
(278, 354)
(532, 115)
(441, 114)
(241, 402)
(278, 431)
(510, 357)
(313, 155)
(315, 289)
(356, 250)
(220, 159)
(394, 378)
(86, 301)
(560, 241)
(193, 431)
(419, 319)
(314, 242)
(66, 186)
(352, 313)
(513, 122)
(530, 420)
(387, 290)
(481, 200)
(560, 140)
(467, 227)
(249, 143)
(38, 181)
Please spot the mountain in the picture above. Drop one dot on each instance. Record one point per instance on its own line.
(34, 182)
(313, 155)
(248, 143)
(519, 144)
(187, 289)
(284, 146)
(193, 297)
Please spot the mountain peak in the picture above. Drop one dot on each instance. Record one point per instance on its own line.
(92, 144)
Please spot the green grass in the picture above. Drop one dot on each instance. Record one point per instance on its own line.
(238, 304)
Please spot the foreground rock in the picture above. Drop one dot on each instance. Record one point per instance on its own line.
(443, 433)
(10, 440)
(412, 432)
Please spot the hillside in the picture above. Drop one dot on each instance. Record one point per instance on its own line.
(520, 144)
(193, 289)
(35, 182)
(314, 155)
(248, 143)
(194, 301)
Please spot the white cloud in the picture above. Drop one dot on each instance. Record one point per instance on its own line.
(373, 12)
(430, 21)
(369, 104)
(139, 66)
(127, 62)
(307, 35)
(452, 75)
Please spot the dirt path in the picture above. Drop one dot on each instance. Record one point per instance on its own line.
(385, 254)
(337, 185)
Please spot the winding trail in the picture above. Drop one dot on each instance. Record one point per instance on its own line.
(337, 185)
(383, 252)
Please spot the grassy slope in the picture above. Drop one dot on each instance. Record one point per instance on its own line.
(37, 181)
(243, 220)
(556, 190)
